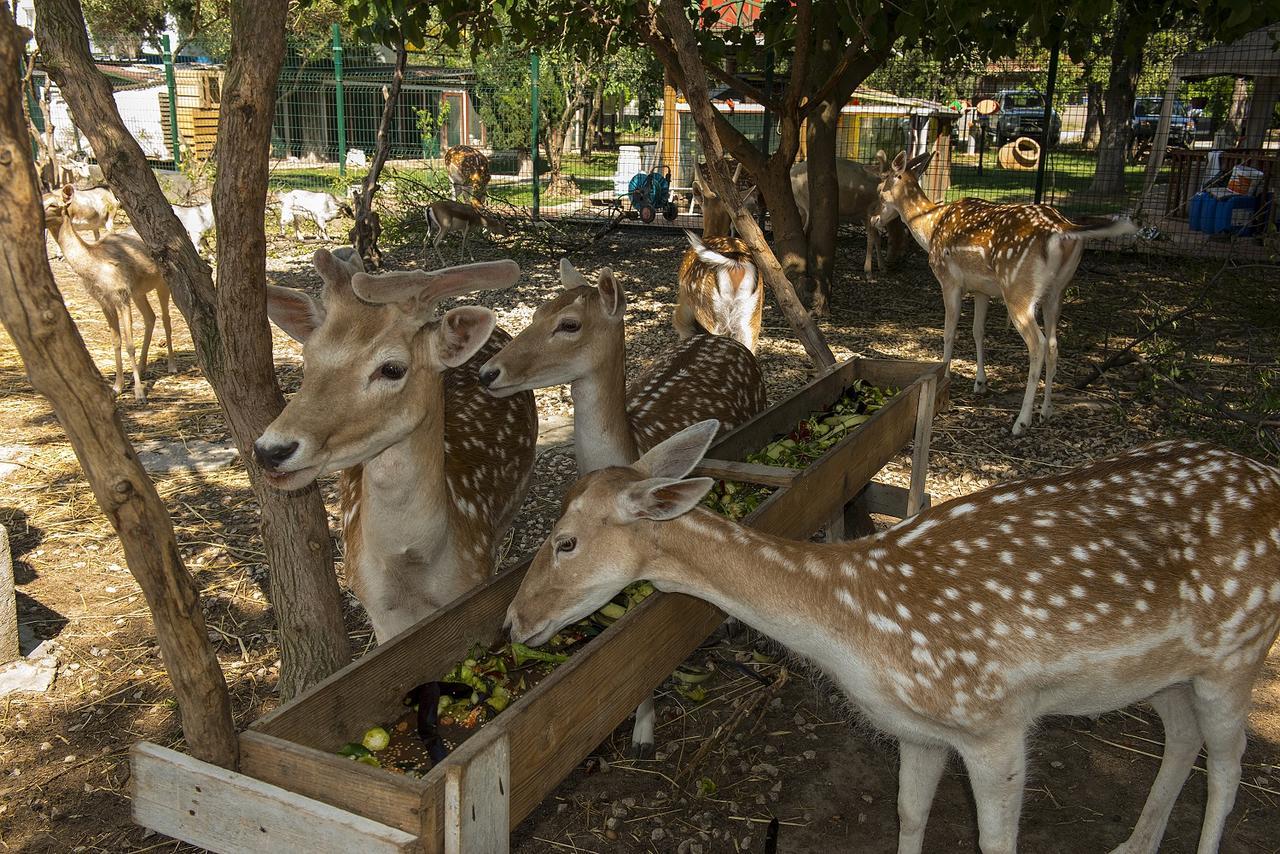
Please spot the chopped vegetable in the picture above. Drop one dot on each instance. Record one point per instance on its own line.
(376, 739)
(353, 750)
(369, 760)
(524, 654)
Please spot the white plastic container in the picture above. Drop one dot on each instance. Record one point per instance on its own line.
(630, 161)
(1246, 181)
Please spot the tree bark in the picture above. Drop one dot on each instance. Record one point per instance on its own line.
(1228, 135)
(1122, 83)
(681, 58)
(364, 235)
(228, 325)
(824, 207)
(1092, 116)
(60, 368)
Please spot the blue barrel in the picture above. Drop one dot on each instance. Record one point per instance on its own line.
(1196, 210)
(1234, 214)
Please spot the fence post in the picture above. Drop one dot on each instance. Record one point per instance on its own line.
(1046, 143)
(173, 102)
(533, 133)
(338, 96)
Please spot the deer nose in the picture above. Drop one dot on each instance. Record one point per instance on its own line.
(271, 457)
(488, 375)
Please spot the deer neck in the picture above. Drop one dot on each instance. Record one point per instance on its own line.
(602, 434)
(74, 249)
(920, 215)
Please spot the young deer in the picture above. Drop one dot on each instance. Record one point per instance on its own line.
(1153, 575)
(90, 210)
(579, 338)
(433, 469)
(320, 208)
(118, 272)
(446, 217)
(468, 170)
(719, 291)
(1023, 254)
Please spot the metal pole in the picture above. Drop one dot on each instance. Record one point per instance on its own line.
(533, 133)
(1046, 143)
(338, 96)
(173, 102)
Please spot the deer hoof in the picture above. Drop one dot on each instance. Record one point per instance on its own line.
(641, 750)
(979, 386)
(1020, 427)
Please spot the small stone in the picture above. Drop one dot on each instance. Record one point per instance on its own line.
(766, 769)
(629, 803)
(745, 843)
(810, 755)
(561, 807)
(657, 834)
(867, 799)
(770, 749)
(610, 834)
(44, 745)
(69, 758)
(612, 823)
(1055, 764)
(798, 720)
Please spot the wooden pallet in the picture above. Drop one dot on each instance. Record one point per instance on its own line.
(293, 790)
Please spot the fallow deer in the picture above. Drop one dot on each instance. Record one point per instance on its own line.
(468, 170)
(433, 469)
(579, 338)
(118, 272)
(445, 217)
(1153, 575)
(1023, 254)
(89, 210)
(719, 291)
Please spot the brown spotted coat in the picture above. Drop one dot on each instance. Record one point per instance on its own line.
(719, 291)
(468, 170)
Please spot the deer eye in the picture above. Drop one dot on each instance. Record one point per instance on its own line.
(393, 370)
(564, 545)
(569, 324)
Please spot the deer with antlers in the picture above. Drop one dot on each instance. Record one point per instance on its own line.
(719, 291)
(579, 338)
(433, 469)
(1152, 575)
(1023, 254)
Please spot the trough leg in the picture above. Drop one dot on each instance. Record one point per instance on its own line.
(920, 448)
(477, 801)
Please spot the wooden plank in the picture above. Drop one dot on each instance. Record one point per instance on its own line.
(894, 373)
(232, 813)
(477, 797)
(920, 447)
(745, 472)
(886, 499)
(391, 799)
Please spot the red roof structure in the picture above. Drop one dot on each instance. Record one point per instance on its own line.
(734, 13)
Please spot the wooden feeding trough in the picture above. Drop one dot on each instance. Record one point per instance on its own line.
(293, 792)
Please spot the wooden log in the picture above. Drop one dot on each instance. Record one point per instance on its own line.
(920, 447)
(233, 813)
(745, 472)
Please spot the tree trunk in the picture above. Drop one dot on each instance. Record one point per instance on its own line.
(824, 207)
(364, 235)
(1122, 83)
(686, 65)
(60, 369)
(1092, 116)
(228, 325)
(1228, 135)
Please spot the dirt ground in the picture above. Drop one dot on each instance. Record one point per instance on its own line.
(788, 747)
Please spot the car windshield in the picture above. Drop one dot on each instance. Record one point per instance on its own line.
(1151, 107)
(1023, 100)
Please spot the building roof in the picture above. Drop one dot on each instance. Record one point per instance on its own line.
(1254, 55)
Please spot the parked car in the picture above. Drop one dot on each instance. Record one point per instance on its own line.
(1022, 114)
(1146, 118)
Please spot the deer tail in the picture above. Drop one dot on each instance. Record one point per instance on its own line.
(1098, 228)
(708, 256)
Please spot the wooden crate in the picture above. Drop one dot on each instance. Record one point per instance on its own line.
(471, 800)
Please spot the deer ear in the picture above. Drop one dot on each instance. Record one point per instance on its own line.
(68, 191)
(334, 272)
(675, 457)
(920, 163)
(612, 297)
(570, 278)
(661, 499)
(882, 162)
(900, 162)
(461, 334)
(298, 314)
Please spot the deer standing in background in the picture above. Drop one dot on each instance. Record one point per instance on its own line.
(1153, 575)
(118, 272)
(719, 291)
(89, 210)
(579, 338)
(1023, 254)
(197, 221)
(445, 217)
(468, 170)
(320, 208)
(433, 469)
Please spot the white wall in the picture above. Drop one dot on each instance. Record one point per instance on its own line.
(140, 110)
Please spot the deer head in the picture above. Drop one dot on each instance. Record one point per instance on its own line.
(599, 545)
(899, 182)
(373, 353)
(564, 340)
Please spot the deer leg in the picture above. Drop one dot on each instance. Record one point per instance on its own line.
(952, 295)
(1181, 746)
(873, 250)
(148, 329)
(162, 295)
(139, 392)
(465, 230)
(1052, 310)
(642, 732)
(323, 226)
(980, 303)
(683, 321)
(112, 314)
(1221, 717)
(440, 234)
(1024, 318)
(920, 768)
(997, 772)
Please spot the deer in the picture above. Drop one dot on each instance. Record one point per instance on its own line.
(445, 217)
(89, 210)
(320, 208)
(1150, 575)
(197, 221)
(859, 202)
(579, 338)
(468, 170)
(433, 469)
(719, 291)
(118, 272)
(1024, 254)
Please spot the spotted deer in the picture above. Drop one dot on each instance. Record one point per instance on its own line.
(719, 291)
(433, 469)
(1023, 254)
(468, 170)
(579, 338)
(1152, 575)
